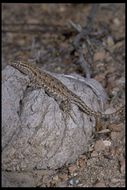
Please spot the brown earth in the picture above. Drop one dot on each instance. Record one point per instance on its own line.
(47, 40)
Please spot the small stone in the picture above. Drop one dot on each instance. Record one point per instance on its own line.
(62, 184)
(100, 184)
(99, 56)
(75, 174)
(114, 180)
(118, 45)
(72, 169)
(121, 81)
(73, 181)
(99, 145)
(94, 154)
(115, 127)
(115, 135)
(63, 176)
(81, 163)
(80, 185)
(107, 143)
(116, 22)
(55, 178)
(110, 41)
(122, 168)
(104, 131)
(62, 9)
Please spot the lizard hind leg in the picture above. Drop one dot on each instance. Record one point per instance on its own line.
(65, 106)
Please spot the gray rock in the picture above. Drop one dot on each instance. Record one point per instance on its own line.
(35, 132)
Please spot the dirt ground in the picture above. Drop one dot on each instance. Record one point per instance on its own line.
(42, 33)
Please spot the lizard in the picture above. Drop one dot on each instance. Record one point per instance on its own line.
(57, 89)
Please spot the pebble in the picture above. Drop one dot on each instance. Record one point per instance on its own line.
(62, 184)
(107, 143)
(115, 127)
(100, 184)
(55, 178)
(110, 41)
(99, 145)
(115, 135)
(122, 168)
(116, 22)
(94, 154)
(63, 176)
(72, 169)
(104, 131)
(99, 56)
(73, 181)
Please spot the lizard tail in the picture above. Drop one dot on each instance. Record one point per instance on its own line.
(86, 109)
(118, 111)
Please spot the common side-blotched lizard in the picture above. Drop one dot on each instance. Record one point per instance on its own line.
(57, 89)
